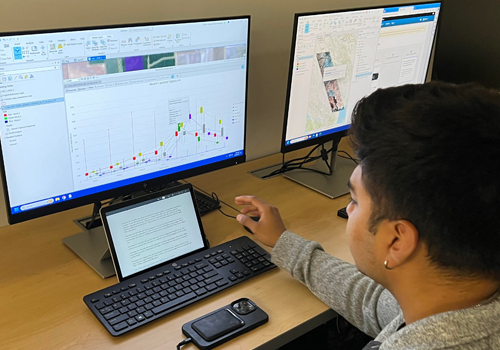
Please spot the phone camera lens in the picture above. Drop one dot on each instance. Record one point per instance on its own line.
(243, 307)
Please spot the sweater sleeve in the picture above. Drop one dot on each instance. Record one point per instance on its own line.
(359, 299)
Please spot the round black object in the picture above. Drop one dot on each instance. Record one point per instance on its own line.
(243, 306)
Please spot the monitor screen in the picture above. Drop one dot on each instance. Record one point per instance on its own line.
(89, 112)
(338, 58)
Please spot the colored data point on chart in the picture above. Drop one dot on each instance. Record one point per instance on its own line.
(182, 125)
(220, 121)
(86, 174)
(161, 143)
(199, 138)
(117, 164)
(133, 158)
(156, 152)
(140, 154)
(215, 135)
(111, 167)
(201, 109)
(176, 133)
(189, 115)
(169, 156)
(209, 133)
(227, 137)
(195, 134)
(217, 142)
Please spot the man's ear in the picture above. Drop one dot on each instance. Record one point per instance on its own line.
(401, 240)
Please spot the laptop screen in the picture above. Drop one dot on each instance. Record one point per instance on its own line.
(154, 231)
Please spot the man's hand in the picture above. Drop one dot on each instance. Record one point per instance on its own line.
(270, 226)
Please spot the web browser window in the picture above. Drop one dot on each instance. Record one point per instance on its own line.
(341, 57)
(90, 110)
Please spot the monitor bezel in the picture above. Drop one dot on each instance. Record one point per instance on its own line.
(140, 185)
(336, 134)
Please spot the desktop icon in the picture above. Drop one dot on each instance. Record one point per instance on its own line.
(34, 48)
(57, 199)
(69, 196)
(59, 46)
(64, 198)
(26, 76)
(52, 46)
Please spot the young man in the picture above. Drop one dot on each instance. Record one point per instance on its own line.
(424, 222)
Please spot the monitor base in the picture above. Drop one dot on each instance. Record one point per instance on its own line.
(332, 186)
(92, 247)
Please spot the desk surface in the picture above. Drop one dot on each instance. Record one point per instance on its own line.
(42, 282)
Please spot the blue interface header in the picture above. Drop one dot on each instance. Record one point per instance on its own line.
(397, 22)
(415, 7)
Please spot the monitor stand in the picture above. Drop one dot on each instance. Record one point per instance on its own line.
(91, 245)
(332, 186)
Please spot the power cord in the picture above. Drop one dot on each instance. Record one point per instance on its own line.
(298, 163)
(184, 342)
(348, 156)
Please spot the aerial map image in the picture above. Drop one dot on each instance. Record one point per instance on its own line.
(330, 81)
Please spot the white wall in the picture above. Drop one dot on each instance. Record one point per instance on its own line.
(270, 42)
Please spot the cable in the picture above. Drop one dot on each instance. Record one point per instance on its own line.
(216, 199)
(348, 156)
(184, 342)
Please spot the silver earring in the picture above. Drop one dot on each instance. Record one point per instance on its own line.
(385, 265)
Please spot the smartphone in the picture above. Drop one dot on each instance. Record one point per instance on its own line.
(224, 324)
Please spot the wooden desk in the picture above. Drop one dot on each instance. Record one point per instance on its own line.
(42, 282)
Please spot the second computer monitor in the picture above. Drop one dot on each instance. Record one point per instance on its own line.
(339, 57)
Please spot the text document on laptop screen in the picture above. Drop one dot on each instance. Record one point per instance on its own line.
(153, 232)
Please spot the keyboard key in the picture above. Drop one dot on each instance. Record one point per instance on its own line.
(140, 303)
(99, 305)
(134, 299)
(149, 306)
(140, 318)
(132, 313)
(107, 295)
(144, 281)
(149, 292)
(156, 296)
(239, 275)
(157, 289)
(200, 266)
(106, 310)
(179, 293)
(257, 267)
(246, 272)
(172, 296)
(124, 296)
(132, 293)
(220, 251)
(112, 314)
(186, 284)
(208, 268)
(133, 285)
(178, 287)
(151, 278)
(224, 262)
(219, 258)
(123, 289)
(197, 259)
(185, 265)
(156, 303)
(149, 314)
(213, 253)
(211, 287)
(174, 303)
(166, 272)
(123, 310)
(159, 274)
(201, 291)
(116, 291)
(230, 260)
(217, 265)
(232, 278)
(131, 321)
(148, 300)
(125, 302)
(94, 300)
(207, 256)
(210, 274)
(213, 279)
(118, 319)
(116, 306)
(140, 310)
(132, 306)
(221, 283)
(191, 262)
(108, 302)
(120, 326)
(234, 252)
(192, 269)
(225, 256)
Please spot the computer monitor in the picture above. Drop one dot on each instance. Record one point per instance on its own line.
(94, 113)
(339, 57)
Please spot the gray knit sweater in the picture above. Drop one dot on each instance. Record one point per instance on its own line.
(373, 309)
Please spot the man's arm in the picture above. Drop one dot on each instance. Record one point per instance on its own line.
(359, 299)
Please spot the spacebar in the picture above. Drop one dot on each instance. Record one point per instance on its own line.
(173, 303)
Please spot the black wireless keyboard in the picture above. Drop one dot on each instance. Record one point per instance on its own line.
(147, 297)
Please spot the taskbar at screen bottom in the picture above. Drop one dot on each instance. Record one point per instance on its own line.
(316, 135)
(69, 196)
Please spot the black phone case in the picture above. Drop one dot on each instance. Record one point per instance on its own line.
(252, 320)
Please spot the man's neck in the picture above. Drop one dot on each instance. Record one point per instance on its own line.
(421, 298)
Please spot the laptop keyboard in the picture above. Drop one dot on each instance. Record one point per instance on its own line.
(144, 298)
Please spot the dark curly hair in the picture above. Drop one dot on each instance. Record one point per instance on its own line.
(430, 154)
